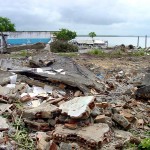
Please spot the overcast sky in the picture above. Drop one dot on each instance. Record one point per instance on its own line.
(111, 17)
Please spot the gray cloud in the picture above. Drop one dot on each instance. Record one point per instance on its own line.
(83, 16)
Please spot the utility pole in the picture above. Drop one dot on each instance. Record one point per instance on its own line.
(145, 41)
(138, 42)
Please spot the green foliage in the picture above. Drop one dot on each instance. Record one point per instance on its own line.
(98, 52)
(145, 144)
(6, 25)
(116, 53)
(140, 52)
(92, 34)
(130, 146)
(60, 46)
(21, 135)
(65, 35)
(20, 54)
(68, 54)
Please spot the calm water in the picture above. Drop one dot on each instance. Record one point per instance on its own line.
(112, 41)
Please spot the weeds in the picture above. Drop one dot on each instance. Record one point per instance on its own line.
(22, 53)
(145, 144)
(98, 52)
(21, 136)
(140, 52)
(68, 54)
(117, 53)
(130, 146)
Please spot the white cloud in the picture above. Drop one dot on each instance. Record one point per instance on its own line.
(83, 16)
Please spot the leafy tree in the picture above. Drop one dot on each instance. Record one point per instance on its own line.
(92, 35)
(65, 35)
(6, 25)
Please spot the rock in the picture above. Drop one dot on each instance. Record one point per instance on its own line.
(100, 119)
(71, 126)
(53, 146)
(128, 116)
(92, 136)
(77, 93)
(102, 105)
(103, 119)
(69, 146)
(25, 98)
(120, 134)
(37, 125)
(140, 123)
(143, 92)
(42, 141)
(146, 80)
(3, 124)
(45, 110)
(5, 108)
(78, 107)
(95, 112)
(122, 121)
(52, 122)
(5, 90)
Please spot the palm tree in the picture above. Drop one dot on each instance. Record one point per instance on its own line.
(92, 35)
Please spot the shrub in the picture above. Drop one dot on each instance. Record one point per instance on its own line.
(61, 46)
(98, 52)
(145, 144)
(140, 52)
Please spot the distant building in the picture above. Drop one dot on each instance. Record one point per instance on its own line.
(90, 43)
(28, 37)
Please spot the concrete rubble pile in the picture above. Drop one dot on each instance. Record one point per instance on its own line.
(59, 115)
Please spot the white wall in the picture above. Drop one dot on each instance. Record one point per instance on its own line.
(28, 34)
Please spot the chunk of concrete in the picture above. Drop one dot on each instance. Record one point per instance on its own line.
(78, 107)
(3, 124)
(121, 120)
(92, 136)
(43, 141)
(45, 110)
(5, 107)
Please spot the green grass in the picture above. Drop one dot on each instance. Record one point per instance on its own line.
(20, 54)
(118, 53)
(68, 54)
(145, 144)
(21, 136)
(98, 52)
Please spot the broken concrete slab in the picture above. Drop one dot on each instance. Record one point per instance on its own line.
(146, 80)
(143, 92)
(121, 120)
(37, 125)
(43, 141)
(3, 124)
(5, 108)
(92, 136)
(45, 110)
(78, 106)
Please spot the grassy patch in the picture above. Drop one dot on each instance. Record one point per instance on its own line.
(68, 54)
(118, 53)
(145, 144)
(21, 136)
(130, 146)
(98, 52)
(20, 54)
